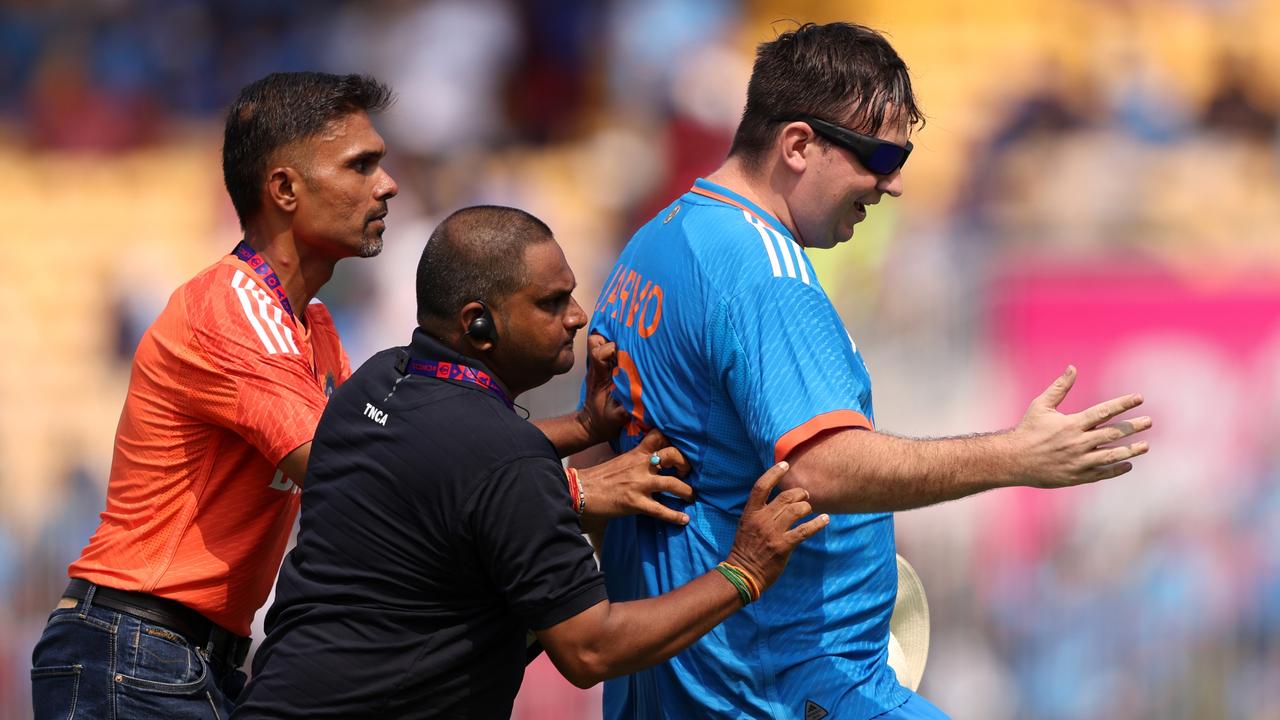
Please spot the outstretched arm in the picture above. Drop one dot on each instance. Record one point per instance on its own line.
(853, 471)
(612, 639)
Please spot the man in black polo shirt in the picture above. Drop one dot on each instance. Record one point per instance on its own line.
(438, 528)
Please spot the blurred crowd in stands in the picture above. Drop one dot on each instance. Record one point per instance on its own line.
(1098, 183)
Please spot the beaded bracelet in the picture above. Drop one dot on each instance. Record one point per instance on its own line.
(747, 586)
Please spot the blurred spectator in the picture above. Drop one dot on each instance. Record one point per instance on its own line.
(550, 87)
(1233, 109)
(22, 32)
(69, 109)
(648, 39)
(447, 60)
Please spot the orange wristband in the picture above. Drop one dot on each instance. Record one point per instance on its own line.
(577, 498)
(751, 581)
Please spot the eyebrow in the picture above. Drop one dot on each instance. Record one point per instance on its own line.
(558, 293)
(367, 155)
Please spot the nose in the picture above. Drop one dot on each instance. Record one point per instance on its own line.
(891, 185)
(575, 318)
(386, 187)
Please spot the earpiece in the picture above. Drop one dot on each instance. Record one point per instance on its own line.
(481, 327)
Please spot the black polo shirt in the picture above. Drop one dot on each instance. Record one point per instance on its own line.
(436, 531)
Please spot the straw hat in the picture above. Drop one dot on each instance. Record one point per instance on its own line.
(909, 627)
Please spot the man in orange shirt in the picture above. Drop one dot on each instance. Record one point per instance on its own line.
(226, 390)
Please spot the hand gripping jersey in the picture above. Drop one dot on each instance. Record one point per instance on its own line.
(224, 385)
(728, 344)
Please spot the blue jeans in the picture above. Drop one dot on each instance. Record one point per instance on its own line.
(93, 662)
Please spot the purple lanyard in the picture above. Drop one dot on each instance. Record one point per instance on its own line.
(260, 266)
(462, 373)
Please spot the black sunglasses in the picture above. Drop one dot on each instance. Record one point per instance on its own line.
(879, 156)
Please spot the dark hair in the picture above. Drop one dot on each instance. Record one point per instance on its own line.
(843, 73)
(280, 109)
(477, 253)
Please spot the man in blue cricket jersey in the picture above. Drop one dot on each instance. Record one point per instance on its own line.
(728, 344)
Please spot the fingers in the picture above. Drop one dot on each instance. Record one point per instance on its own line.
(1108, 456)
(789, 506)
(602, 351)
(792, 511)
(649, 484)
(804, 531)
(614, 412)
(655, 509)
(654, 444)
(1057, 391)
(765, 485)
(680, 489)
(1104, 411)
(1109, 471)
(670, 458)
(791, 495)
(651, 442)
(1117, 431)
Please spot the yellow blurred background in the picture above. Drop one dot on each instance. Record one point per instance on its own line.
(1098, 183)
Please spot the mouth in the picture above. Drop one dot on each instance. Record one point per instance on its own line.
(850, 221)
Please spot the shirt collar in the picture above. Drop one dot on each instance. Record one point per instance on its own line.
(425, 347)
(720, 193)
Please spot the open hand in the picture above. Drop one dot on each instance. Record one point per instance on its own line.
(765, 536)
(1064, 450)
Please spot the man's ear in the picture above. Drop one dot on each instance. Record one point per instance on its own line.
(795, 146)
(283, 184)
(480, 337)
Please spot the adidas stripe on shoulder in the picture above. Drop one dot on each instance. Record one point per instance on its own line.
(265, 316)
(792, 258)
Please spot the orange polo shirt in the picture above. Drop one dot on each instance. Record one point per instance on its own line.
(224, 385)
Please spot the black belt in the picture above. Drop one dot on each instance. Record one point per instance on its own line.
(224, 649)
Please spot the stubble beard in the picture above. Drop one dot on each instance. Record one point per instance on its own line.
(370, 246)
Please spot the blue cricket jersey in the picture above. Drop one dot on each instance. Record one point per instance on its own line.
(728, 344)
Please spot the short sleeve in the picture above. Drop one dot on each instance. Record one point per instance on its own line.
(531, 543)
(788, 365)
(278, 407)
(249, 373)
